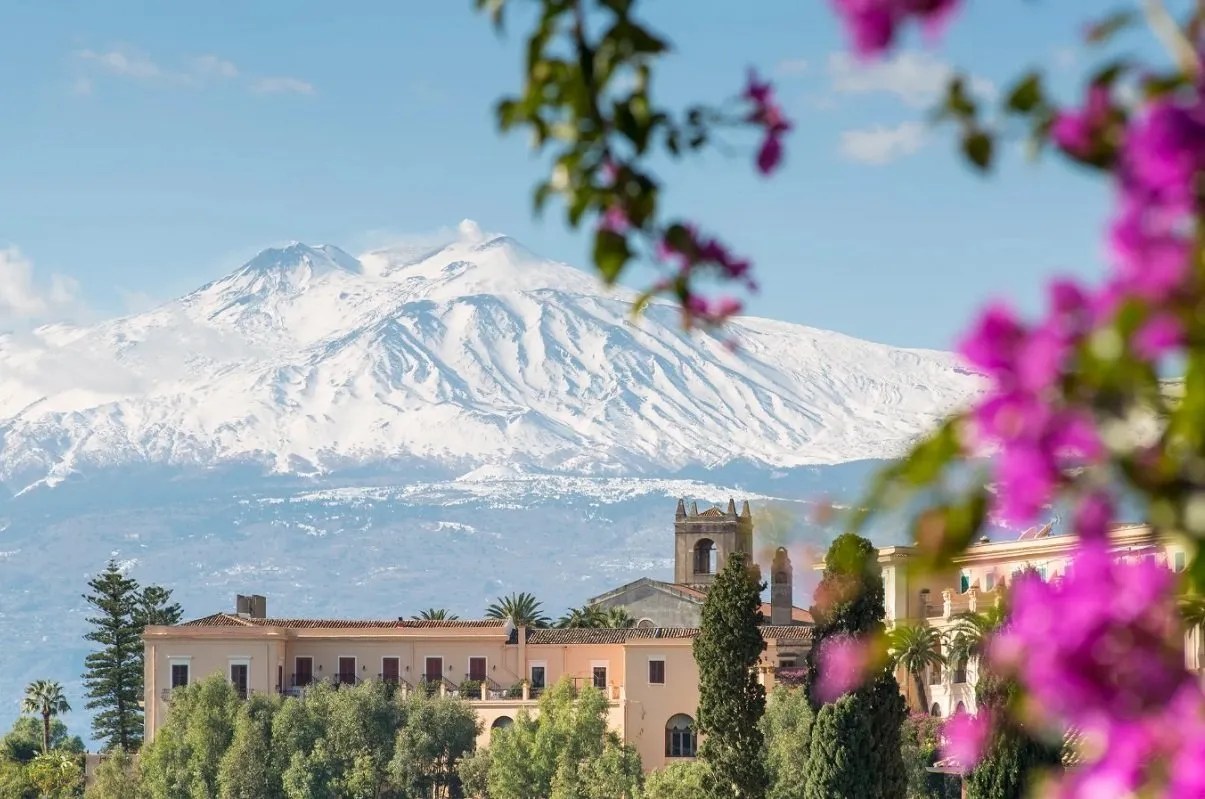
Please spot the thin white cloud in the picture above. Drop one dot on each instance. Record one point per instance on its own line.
(215, 66)
(882, 144)
(916, 78)
(282, 85)
(195, 72)
(792, 66)
(22, 298)
(123, 63)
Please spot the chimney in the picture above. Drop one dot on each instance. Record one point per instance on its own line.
(251, 607)
(782, 600)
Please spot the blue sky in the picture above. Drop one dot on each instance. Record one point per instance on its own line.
(148, 147)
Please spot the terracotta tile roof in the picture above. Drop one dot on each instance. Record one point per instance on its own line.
(217, 620)
(232, 620)
(794, 632)
(577, 636)
(613, 636)
(712, 513)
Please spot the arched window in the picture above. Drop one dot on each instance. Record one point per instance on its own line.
(501, 723)
(645, 623)
(960, 709)
(705, 557)
(680, 736)
(935, 711)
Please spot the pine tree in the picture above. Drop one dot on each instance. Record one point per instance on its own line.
(114, 676)
(854, 752)
(114, 671)
(731, 700)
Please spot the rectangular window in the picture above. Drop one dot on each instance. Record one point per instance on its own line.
(391, 669)
(964, 582)
(304, 674)
(434, 672)
(989, 582)
(537, 677)
(656, 671)
(1178, 561)
(179, 675)
(600, 676)
(239, 678)
(347, 671)
(477, 669)
(280, 677)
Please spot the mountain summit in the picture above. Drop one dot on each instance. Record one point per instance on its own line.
(472, 353)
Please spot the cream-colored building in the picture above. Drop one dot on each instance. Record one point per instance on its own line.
(648, 673)
(974, 583)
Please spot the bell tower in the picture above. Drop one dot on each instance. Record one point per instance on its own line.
(703, 541)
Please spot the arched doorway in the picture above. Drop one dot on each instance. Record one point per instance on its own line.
(935, 711)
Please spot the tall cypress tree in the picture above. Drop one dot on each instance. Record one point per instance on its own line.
(854, 752)
(114, 676)
(1014, 756)
(731, 700)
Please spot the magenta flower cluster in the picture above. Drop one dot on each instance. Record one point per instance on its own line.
(768, 114)
(841, 661)
(1101, 651)
(875, 24)
(697, 252)
(1037, 438)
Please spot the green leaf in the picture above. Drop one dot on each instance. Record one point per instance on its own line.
(1105, 29)
(978, 147)
(611, 254)
(1027, 94)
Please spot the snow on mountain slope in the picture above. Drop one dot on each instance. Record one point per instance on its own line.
(307, 361)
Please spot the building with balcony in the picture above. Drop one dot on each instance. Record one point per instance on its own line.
(975, 583)
(648, 673)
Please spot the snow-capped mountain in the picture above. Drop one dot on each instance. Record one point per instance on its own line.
(477, 353)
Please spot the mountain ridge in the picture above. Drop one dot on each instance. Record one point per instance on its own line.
(477, 352)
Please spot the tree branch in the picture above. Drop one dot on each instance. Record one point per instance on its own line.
(1169, 32)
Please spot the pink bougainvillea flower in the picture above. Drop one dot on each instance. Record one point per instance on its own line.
(1101, 643)
(993, 341)
(615, 219)
(768, 114)
(1158, 336)
(1163, 152)
(1076, 132)
(841, 665)
(964, 738)
(874, 24)
(1093, 513)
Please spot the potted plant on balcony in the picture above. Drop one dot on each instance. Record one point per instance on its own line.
(516, 690)
(470, 689)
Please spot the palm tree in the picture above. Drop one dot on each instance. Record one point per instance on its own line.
(917, 648)
(619, 618)
(524, 610)
(587, 616)
(45, 697)
(435, 614)
(1192, 611)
